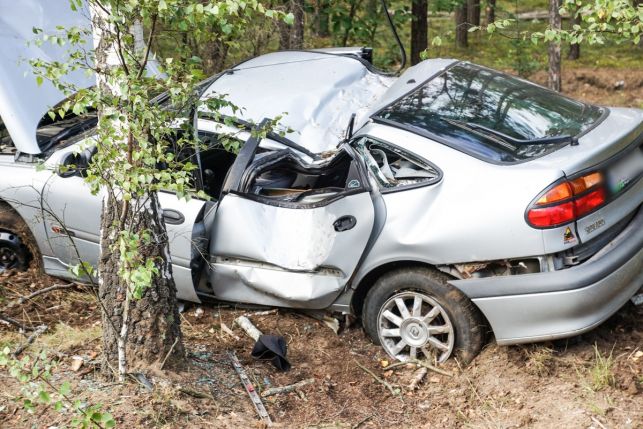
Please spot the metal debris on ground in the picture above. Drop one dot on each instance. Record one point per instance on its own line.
(252, 393)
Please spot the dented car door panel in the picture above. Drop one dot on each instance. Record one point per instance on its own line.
(255, 244)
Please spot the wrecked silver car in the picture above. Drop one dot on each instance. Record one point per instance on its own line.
(432, 204)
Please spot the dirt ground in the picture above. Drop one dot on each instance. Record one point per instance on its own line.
(591, 381)
(602, 86)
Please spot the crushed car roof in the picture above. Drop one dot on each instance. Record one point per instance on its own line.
(316, 92)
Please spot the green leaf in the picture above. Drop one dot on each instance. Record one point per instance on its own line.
(39, 80)
(65, 388)
(44, 397)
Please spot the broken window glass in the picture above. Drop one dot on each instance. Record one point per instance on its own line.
(283, 176)
(394, 168)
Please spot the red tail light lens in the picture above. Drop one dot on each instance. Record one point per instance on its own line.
(567, 201)
(589, 202)
(549, 216)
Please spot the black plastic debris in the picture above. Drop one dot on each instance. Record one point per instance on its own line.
(274, 349)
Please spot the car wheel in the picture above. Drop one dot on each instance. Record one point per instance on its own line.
(414, 313)
(14, 241)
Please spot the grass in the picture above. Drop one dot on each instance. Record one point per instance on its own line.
(540, 361)
(601, 373)
(61, 338)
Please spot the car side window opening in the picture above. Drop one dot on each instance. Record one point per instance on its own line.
(394, 168)
(282, 176)
(215, 163)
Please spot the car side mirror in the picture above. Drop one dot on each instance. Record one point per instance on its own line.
(73, 164)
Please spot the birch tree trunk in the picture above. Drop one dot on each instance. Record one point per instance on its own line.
(554, 78)
(137, 333)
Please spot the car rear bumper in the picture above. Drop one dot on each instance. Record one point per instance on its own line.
(545, 306)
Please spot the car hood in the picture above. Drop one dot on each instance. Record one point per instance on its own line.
(22, 102)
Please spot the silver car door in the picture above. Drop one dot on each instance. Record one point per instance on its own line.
(71, 216)
(271, 252)
(72, 221)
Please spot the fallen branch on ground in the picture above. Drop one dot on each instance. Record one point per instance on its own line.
(39, 330)
(195, 393)
(228, 331)
(422, 364)
(22, 299)
(244, 323)
(15, 323)
(286, 389)
(261, 313)
(379, 380)
(418, 377)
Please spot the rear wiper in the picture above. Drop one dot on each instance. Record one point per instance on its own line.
(565, 138)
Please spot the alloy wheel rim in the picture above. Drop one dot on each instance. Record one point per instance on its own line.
(412, 325)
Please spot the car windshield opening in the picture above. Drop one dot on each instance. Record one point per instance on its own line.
(491, 115)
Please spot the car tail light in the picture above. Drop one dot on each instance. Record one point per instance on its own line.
(564, 202)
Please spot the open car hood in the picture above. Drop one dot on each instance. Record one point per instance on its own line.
(22, 102)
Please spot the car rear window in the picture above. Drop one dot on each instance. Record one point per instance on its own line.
(491, 115)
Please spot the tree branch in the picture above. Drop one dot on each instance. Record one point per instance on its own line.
(147, 48)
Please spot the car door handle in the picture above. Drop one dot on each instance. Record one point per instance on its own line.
(345, 223)
(173, 217)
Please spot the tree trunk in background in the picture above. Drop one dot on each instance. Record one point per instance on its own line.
(322, 18)
(491, 11)
(473, 12)
(292, 36)
(284, 35)
(574, 48)
(461, 26)
(153, 321)
(351, 17)
(419, 29)
(297, 34)
(554, 78)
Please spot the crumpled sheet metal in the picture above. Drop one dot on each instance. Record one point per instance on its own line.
(274, 287)
(292, 238)
(317, 93)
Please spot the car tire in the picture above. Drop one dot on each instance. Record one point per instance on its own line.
(443, 324)
(16, 242)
